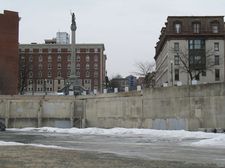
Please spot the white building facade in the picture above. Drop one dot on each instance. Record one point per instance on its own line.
(199, 40)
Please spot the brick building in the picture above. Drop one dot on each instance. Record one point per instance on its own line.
(194, 43)
(46, 67)
(9, 57)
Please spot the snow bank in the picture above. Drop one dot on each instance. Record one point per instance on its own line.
(123, 132)
(202, 138)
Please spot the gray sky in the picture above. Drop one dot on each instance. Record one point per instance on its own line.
(128, 28)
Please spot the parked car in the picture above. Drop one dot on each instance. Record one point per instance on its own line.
(2, 126)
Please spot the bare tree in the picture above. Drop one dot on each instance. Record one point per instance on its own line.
(23, 74)
(146, 70)
(194, 64)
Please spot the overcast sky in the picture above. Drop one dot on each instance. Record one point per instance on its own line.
(128, 28)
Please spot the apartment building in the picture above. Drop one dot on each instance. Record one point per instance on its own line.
(9, 56)
(190, 49)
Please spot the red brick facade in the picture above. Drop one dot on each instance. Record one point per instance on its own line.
(9, 56)
(47, 66)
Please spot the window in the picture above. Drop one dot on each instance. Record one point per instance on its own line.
(78, 58)
(196, 27)
(87, 66)
(87, 58)
(176, 46)
(217, 60)
(78, 66)
(215, 27)
(196, 44)
(30, 82)
(49, 66)
(96, 74)
(87, 81)
(87, 74)
(78, 73)
(59, 58)
(49, 74)
(40, 74)
(59, 66)
(176, 74)
(30, 58)
(68, 73)
(59, 82)
(49, 58)
(59, 74)
(95, 66)
(40, 66)
(96, 58)
(217, 74)
(203, 73)
(40, 58)
(177, 27)
(216, 46)
(176, 59)
(30, 74)
(69, 58)
(68, 66)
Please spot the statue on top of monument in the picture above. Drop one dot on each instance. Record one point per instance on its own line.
(73, 25)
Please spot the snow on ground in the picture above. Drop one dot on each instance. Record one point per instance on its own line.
(4, 143)
(200, 138)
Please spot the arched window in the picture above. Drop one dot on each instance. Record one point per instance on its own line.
(59, 66)
(59, 74)
(87, 74)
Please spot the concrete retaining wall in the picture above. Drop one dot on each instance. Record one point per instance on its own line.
(189, 108)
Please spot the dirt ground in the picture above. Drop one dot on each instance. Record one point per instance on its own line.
(36, 157)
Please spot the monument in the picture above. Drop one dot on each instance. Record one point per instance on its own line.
(72, 86)
(73, 80)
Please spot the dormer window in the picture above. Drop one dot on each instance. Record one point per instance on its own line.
(196, 27)
(177, 27)
(215, 27)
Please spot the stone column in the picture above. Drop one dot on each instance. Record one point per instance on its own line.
(72, 111)
(39, 113)
(7, 112)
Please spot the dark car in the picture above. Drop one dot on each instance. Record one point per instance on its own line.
(2, 126)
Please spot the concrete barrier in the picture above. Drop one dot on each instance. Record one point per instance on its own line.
(184, 107)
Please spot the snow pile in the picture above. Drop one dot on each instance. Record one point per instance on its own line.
(218, 141)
